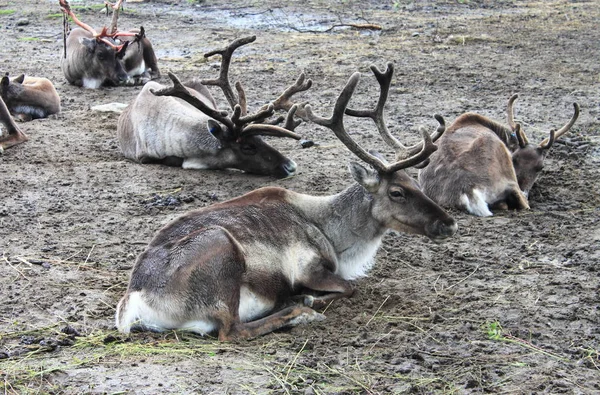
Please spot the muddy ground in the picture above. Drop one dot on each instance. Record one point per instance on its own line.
(509, 305)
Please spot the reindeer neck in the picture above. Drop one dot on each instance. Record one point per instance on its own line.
(346, 220)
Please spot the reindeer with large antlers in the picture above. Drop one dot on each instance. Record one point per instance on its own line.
(239, 267)
(182, 126)
(10, 134)
(112, 57)
(482, 165)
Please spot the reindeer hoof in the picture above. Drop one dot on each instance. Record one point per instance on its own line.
(308, 315)
(309, 300)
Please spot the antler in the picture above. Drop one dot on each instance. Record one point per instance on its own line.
(223, 80)
(509, 112)
(377, 115)
(254, 124)
(239, 125)
(548, 141)
(66, 8)
(284, 102)
(336, 124)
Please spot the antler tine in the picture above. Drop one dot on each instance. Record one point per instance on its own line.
(546, 142)
(510, 113)
(290, 123)
(181, 92)
(336, 124)
(242, 98)
(377, 115)
(261, 115)
(284, 102)
(265, 129)
(427, 149)
(268, 129)
(223, 80)
(434, 137)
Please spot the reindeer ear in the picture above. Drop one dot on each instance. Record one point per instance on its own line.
(19, 79)
(121, 53)
(5, 81)
(88, 43)
(366, 177)
(220, 133)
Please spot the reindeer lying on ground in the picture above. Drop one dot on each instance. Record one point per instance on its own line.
(29, 98)
(95, 59)
(235, 267)
(10, 134)
(482, 165)
(182, 126)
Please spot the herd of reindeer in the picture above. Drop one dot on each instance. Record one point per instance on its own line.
(272, 257)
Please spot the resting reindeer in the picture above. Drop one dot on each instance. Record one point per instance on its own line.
(29, 98)
(235, 267)
(188, 130)
(482, 165)
(95, 59)
(10, 134)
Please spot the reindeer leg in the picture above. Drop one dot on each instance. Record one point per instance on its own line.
(15, 135)
(290, 316)
(333, 285)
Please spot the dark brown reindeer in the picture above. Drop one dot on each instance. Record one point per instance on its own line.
(95, 59)
(482, 165)
(182, 126)
(237, 267)
(10, 134)
(29, 98)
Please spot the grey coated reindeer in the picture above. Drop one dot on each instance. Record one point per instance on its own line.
(482, 165)
(29, 98)
(112, 58)
(10, 133)
(182, 126)
(237, 267)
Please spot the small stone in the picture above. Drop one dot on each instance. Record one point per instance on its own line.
(306, 143)
(23, 22)
(110, 107)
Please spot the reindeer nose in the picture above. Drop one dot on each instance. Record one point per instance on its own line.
(445, 229)
(289, 167)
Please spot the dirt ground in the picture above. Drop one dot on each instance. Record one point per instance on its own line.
(509, 305)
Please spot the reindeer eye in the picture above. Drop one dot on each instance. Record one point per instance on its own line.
(101, 56)
(396, 194)
(248, 149)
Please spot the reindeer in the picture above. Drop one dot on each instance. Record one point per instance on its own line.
(14, 135)
(183, 127)
(242, 266)
(29, 98)
(95, 59)
(482, 165)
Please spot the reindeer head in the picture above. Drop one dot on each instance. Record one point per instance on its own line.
(100, 57)
(11, 88)
(397, 200)
(240, 133)
(528, 159)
